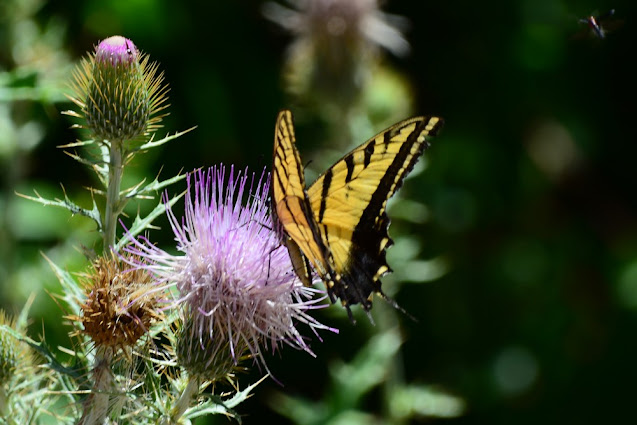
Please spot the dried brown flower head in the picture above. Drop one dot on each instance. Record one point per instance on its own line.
(121, 303)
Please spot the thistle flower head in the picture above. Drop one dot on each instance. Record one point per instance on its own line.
(119, 94)
(121, 303)
(354, 22)
(336, 43)
(234, 279)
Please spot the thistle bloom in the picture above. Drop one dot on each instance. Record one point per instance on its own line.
(353, 21)
(336, 43)
(234, 279)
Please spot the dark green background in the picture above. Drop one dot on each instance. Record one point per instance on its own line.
(545, 266)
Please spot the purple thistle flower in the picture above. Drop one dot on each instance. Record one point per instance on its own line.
(116, 50)
(235, 278)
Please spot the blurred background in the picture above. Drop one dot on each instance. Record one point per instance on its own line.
(516, 244)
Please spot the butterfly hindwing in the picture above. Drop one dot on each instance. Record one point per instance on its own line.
(339, 224)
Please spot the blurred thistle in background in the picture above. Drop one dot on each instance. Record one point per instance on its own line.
(337, 74)
(335, 69)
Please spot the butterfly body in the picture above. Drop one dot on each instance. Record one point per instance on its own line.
(339, 224)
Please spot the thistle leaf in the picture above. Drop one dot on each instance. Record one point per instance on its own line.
(93, 213)
(77, 143)
(153, 144)
(140, 224)
(71, 290)
(154, 186)
(216, 406)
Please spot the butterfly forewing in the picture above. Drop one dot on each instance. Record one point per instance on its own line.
(290, 202)
(349, 200)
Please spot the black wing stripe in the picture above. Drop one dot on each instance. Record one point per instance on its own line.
(369, 151)
(349, 162)
(289, 128)
(278, 170)
(391, 181)
(327, 182)
(387, 138)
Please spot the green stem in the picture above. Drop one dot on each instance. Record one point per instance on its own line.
(111, 212)
(190, 392)
(96, 406)
(387, 321)
(3, 403)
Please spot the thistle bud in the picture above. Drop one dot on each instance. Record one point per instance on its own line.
(118, 92)
(8, 351)
(209, 357)
(19, 374)
(117, 105)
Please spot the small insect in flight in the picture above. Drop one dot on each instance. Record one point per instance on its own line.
(598, 26)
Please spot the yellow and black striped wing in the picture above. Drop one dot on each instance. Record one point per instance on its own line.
(349, 200)
(291, 205)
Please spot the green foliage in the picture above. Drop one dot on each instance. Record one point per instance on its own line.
(352, 382)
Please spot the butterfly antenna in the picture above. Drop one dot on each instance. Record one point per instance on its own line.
(270, 261)
(369, 316)
(394, 304)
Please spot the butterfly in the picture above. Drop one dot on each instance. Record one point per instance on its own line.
(339, 226)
